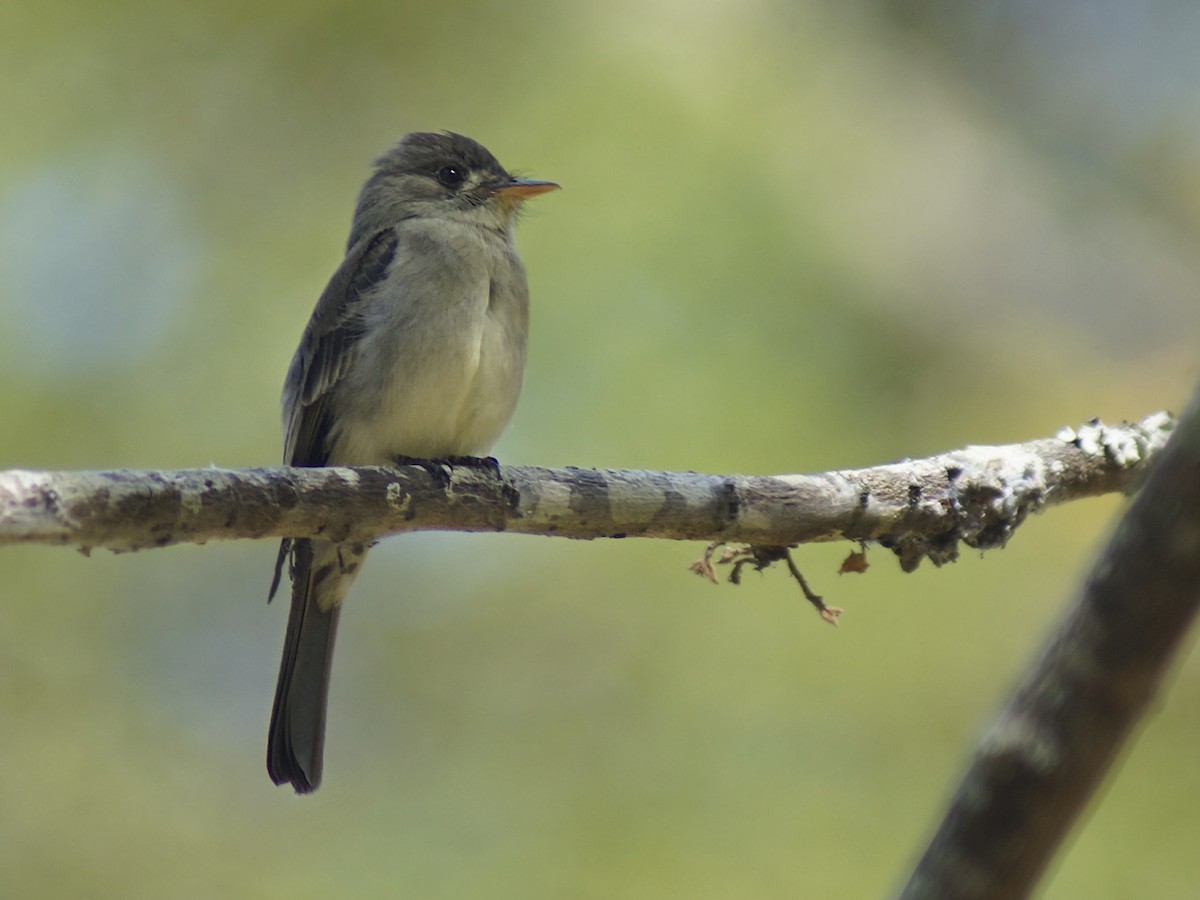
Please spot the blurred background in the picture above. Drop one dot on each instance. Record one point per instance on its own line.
(792, 237)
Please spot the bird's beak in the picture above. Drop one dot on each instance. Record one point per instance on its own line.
(520, 189)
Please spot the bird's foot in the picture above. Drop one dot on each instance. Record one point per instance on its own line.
(486, 463)
(437, 468)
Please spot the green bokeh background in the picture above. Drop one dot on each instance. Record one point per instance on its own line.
(791, 237)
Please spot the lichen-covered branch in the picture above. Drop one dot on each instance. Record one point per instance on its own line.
(1048, 752)
(921, 509)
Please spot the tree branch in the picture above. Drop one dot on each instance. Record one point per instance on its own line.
(920, 509)
(1052, 745)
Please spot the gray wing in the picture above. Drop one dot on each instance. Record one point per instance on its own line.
(328, 349)
(326, 353)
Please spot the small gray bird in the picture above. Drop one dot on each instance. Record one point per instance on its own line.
(416, 349)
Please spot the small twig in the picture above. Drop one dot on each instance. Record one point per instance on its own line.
(829, 613)
(760, 556)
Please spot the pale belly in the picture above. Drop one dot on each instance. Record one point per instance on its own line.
(452, 400)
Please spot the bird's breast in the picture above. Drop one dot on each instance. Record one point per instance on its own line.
(443, 355)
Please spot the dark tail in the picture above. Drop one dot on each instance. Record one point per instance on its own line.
(321, 574)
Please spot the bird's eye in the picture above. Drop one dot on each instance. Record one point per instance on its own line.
(451, 176)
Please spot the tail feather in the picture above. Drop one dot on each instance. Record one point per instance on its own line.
(321, 575)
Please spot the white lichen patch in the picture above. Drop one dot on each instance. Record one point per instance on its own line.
(191, 498)
(1126, 445)
(345, 476)
(1015, 474)
(551, 502)
(397, 497)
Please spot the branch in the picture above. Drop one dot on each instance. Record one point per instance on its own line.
(920, 509)
(1042, 760)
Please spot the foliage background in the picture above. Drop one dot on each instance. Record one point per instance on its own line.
(792, 237)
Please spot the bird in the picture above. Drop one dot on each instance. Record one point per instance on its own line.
(415, 350)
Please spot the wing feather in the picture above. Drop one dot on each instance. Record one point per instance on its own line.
(327, 351)
(329, 347)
